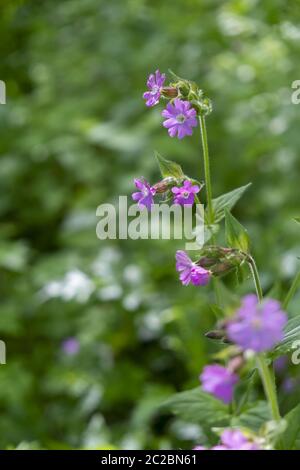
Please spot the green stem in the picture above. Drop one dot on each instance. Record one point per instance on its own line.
(255, 275)
(206, 169)
(210, 211)
(292, 291)
(267, 377)
(266, 372)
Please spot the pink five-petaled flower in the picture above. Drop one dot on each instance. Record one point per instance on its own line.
(144, 197)
(219, 381)
(186, 194)
(189, 271)
(233, 439)
(180, 118)
(257, 326)
(154, 83)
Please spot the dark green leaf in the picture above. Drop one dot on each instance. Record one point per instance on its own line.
(253, 417)
(227, 201)
(168, 168)
(292, 431)
(198, 407)
(292, 334)
(236, 234)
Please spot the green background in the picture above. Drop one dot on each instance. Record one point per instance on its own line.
(73, 135)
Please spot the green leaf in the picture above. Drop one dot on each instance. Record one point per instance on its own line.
(217, 311)
(227, 201)
(297, 219)
(253, 417)
(292, 291)
(292, 430)
(169, 168)
(236, 235)
(198, 407)
(291, 334)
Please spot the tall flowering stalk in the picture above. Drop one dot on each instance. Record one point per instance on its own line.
(257, 331)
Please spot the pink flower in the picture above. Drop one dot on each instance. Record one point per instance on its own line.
(144, 197)
(233, 439)
(189, 271)
(180, 118)
(257, 326)
(186, 194)
(154, 83)
(219, 381)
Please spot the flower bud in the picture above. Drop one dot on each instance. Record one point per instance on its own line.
(169, 92)
(216, 334)
(164, 185)
(220, 260)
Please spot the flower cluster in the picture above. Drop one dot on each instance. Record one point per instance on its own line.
(257, 325)
(180, 115)
(183, 195)
(233, 439)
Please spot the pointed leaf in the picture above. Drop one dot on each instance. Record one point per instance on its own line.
(253, 416)
(198, 407)
(227, 201)
(169, 168)
(236, 235)
(292, 431)
(291, 334)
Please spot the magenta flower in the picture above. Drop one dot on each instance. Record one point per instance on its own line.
(257, 326)
(189, 271)
(154, 83)
(144, 197)
(180, 118)
(186, 194)
(70, 346)
(219, 381)
(232, 439)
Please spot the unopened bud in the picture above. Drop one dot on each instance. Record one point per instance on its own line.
(164, 185)
(222, 268)
(216, 334)
(220, 260)
(169, 92)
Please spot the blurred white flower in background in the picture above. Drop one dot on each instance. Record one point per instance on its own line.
(75, 285)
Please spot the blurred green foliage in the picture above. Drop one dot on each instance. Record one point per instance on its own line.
(73, 134)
